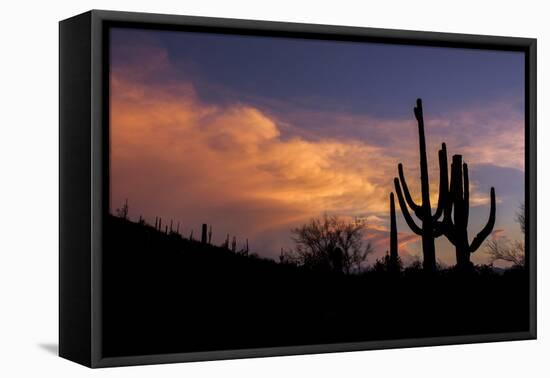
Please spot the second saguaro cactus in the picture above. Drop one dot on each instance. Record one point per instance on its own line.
(428, 230)
(457, 209)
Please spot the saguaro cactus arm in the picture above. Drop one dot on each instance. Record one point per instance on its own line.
(486, 231)
(418, 113)
(416, 208)
(466, 192)
(447, 211)
(404, 210)
(443, 182)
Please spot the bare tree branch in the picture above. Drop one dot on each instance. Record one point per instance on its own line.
(330, 243)
(504, 250)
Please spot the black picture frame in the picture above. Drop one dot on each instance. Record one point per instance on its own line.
(84, 165)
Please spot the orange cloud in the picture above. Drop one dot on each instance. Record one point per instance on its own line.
(178, 158)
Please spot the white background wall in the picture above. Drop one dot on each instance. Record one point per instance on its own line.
(29, 188)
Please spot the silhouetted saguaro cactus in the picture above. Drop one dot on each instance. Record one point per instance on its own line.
(203, 233)
(457, 209)
(210, 235)
(428, 230)
(394, 255)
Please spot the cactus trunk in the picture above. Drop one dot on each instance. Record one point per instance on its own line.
(394, 255)
(458, 191)
(428, 243)
(428, 247)
(428, 229)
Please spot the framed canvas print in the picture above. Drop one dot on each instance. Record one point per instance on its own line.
(234, 188)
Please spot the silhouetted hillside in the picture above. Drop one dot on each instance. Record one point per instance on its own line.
(164, 293)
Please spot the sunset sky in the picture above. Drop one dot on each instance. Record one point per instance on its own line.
(256, 135)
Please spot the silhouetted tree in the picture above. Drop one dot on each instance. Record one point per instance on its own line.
(428, 230)
(288, 257)
(520, 217)
(336, 258)
(505, 250)
(387, 264)
(330, 243)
